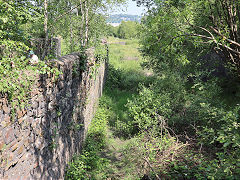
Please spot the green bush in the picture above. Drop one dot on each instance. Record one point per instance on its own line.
(162, 99)
(194, 111)
(128, 29)
(114, 77)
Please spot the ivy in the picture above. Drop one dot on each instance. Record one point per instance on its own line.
(17, 75)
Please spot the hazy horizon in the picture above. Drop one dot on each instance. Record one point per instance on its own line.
(130, 8)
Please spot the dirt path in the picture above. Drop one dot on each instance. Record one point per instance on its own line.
(114, 154)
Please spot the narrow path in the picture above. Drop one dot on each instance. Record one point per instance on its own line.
(123, 56)
(114, 153)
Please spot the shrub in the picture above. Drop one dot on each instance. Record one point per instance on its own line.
(159, 101)
(196, 112)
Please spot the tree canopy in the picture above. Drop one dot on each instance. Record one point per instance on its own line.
(197, 25)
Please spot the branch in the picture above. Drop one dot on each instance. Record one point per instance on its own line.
(210, 38)
(213, 38)
(156, 175)
(236, 52)
(67, 12)
(229, 40)
(197, 35)
(232, 58)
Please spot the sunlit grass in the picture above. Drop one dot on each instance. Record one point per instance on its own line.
(125, 56)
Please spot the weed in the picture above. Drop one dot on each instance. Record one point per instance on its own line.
(90, 163)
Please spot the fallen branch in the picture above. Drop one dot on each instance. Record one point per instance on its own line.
(152, 168)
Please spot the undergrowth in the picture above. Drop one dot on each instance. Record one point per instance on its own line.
(161, 127)
(90, 163)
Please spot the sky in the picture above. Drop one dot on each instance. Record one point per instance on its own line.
(130, 8)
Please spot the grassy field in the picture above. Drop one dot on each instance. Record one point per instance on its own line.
(124, 54)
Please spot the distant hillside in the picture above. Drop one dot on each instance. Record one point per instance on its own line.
(118, 18)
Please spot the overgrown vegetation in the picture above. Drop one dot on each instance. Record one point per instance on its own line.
(126, 30)
(187, 43)
(180, 123)
(17, 75)
(90, 163)
(27, 23)
(121, 84)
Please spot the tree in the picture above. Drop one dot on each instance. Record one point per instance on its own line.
(73, 20)
(128, 29)
(13, 14)
(201, 23)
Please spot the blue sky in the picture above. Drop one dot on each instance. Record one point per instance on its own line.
(129, 8)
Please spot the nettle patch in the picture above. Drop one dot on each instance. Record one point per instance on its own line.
(17, 75)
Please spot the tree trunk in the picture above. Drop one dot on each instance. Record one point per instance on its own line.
(82, 23)
(45, 29)
(71, 29)
(86, 24)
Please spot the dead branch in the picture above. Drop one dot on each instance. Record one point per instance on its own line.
(224, 37)
(152, 168)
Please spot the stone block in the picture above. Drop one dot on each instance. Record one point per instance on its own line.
(31, 139)
(1, 114)
(25, 157)
(4, 162)
(21, 113)
(38, 83)
(5, 124)
(8, 135)
(25, 125)
(20, 149)
(6, 109)
(36, 123)
(10, 156)
(42, 105)
(43, 121)
(14, 145)
(2, 144)
(41, 113)
(61, 85)
(7, 118)
(34, 92)
(39, 143)
(51, 105)
(26, 142)
(26, 133)
(34, 105)
(40, 98)
(34, 111)
(22, 119)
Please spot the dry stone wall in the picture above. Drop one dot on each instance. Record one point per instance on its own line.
(40, 141)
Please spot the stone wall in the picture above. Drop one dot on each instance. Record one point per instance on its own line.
(53, 44)
(40, 141)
